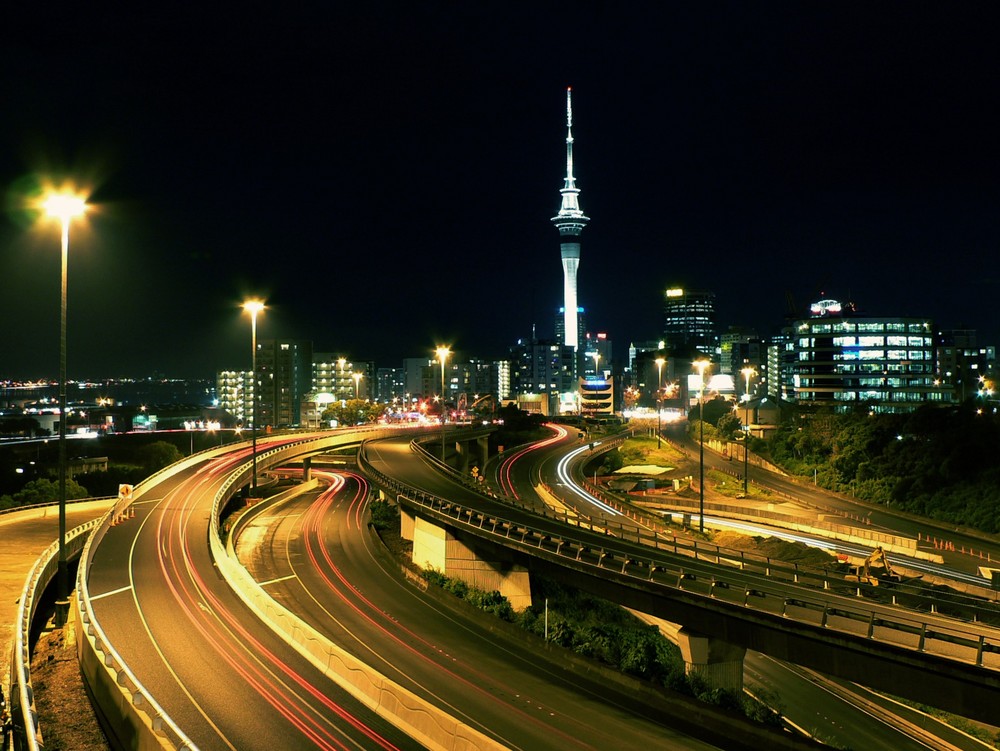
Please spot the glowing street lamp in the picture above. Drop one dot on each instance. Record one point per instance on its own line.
(442, 352)
(357, 380)
(253, 307)
(747, 373)
(597, 359)
(660, 362)
(701, 366)
(65, 207)
(339, 380)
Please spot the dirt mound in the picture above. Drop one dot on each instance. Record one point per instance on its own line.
(65, 715)
(776, 548)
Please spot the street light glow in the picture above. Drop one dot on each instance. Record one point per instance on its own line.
(253, 307)
(64, 206)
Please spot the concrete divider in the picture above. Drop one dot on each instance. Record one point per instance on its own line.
(131, 716)
(121, 697)
(413, 715)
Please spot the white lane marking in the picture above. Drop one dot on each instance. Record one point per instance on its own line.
(279, 579)
(112, 592)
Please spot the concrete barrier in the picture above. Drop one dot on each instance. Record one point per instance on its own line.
(418, 718)
(131, 715)
(23, 712)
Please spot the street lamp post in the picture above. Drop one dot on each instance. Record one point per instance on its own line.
(660, 362)
(253, 307)
(357, 380)
(702, 366)
(442, 353)
(64, 207)
(747, 373)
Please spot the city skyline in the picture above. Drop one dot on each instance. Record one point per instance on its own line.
(386, 179)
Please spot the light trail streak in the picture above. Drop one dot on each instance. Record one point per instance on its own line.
(233, 643)
(337, 583)
(562, 471)
(506, 466)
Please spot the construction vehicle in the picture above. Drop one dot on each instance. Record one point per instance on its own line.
(877, 561)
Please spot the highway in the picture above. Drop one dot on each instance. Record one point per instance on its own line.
(877, 516)
(813, 703)
(231, 683)
(226, 679)
(316, 555)
(806, 605)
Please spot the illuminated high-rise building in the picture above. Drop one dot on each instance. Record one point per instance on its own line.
(570, 222)
(689, 322)
(845, 360)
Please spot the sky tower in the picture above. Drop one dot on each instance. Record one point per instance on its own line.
(570, 222)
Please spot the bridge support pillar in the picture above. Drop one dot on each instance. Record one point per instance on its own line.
(483, 444)
(307, 469)
(719, 663)
(406, 519)
(462, 457)
(437, 548)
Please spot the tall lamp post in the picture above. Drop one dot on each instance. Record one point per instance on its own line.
(660, 362)
(357, 380)
(253, 307)
(701, 366)
(747, 373)
(339, 388)
(65, 207)
(442, 352)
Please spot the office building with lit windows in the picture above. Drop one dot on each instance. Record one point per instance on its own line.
(543, 376)
(964, 363)
(689, 322)
(844, 360)
(234, 390)
(284, 376)
(334, 374)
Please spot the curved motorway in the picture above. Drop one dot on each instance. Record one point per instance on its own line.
(317, 557)
(517, 478)
(217, 671)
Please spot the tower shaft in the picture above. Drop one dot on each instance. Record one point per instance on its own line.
(570, 222)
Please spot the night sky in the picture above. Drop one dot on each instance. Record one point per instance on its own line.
(385, 177)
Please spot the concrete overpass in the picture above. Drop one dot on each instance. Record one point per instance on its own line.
(726, 602)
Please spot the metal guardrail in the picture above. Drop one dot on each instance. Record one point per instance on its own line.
(740, 579)
(915, 598)
(24, 714)
(141, 701)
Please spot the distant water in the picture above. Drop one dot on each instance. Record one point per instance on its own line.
(121, 392)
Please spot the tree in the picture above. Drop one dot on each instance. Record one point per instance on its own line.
(728, 426)
(353, 412)
(47, 491)
(715, 409)
(157, 455)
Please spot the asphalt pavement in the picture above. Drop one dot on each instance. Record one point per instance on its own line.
(24, 536)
